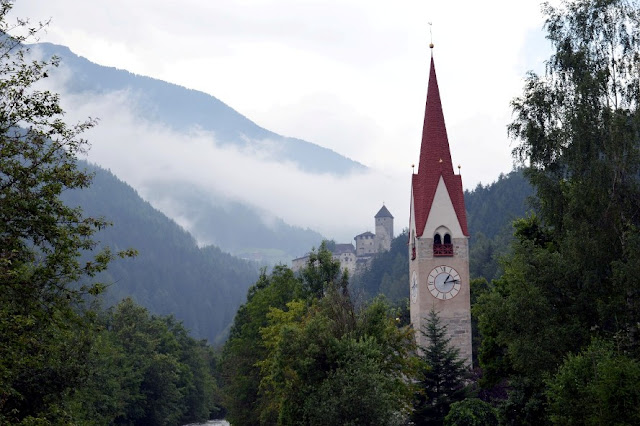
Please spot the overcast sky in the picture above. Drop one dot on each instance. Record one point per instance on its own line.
(349, 75)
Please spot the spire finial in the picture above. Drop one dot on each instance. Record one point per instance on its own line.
(431, 36)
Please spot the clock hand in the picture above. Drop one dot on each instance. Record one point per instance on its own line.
(451, 280)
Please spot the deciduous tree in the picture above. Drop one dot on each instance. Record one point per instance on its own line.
(598, 386)
(570, 276)
(44, 337)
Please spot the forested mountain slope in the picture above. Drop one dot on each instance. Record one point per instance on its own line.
(234, 226)
(177, 114)
(491, 209)
(202, 287)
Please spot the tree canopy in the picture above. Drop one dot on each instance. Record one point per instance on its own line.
(62, 359)
(572, 275)
(44, 344)
(300, 352)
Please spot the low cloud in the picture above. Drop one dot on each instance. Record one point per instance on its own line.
(146, 154)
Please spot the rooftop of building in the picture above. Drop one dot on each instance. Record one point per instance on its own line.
(384, 212)
(365, 234)
(435, 162)
(344, 248)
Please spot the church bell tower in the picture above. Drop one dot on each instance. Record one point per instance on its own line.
(438, 235)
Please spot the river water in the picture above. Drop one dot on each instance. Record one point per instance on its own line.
(211, 423)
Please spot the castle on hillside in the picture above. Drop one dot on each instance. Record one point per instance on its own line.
(368, 244)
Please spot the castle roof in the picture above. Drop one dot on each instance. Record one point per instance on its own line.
(344, 248)
(364, 234)
(435, 162)
(383, 212)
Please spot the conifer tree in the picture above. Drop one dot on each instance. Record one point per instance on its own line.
(442, 381)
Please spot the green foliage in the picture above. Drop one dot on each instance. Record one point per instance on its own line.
(328, 364)
(471, 412)
(62, 360)
(528, 321)
(442, 380)
(45, 332)
(479, 286)
(356, 391)
(145, 370)
(572, 274)
(578, 128)
(531, 311)
(492, 207)
(300, 353)
(323, 272)
(244, 348)
(599, 386)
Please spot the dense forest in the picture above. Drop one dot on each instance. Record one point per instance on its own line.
(557, 320)
(170, 274)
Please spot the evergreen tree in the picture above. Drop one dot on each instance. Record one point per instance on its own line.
(443, 375)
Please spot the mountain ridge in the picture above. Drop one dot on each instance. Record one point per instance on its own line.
(173, 104)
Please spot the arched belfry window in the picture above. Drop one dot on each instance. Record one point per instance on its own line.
(442, 248)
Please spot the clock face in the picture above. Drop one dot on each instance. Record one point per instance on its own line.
(414, 287)
(444, 282)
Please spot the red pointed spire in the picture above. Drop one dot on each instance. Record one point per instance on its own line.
(435, 161)
(435, 145)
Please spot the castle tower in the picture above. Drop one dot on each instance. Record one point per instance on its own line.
(438, 235)
(384, 229)
(365, 244)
